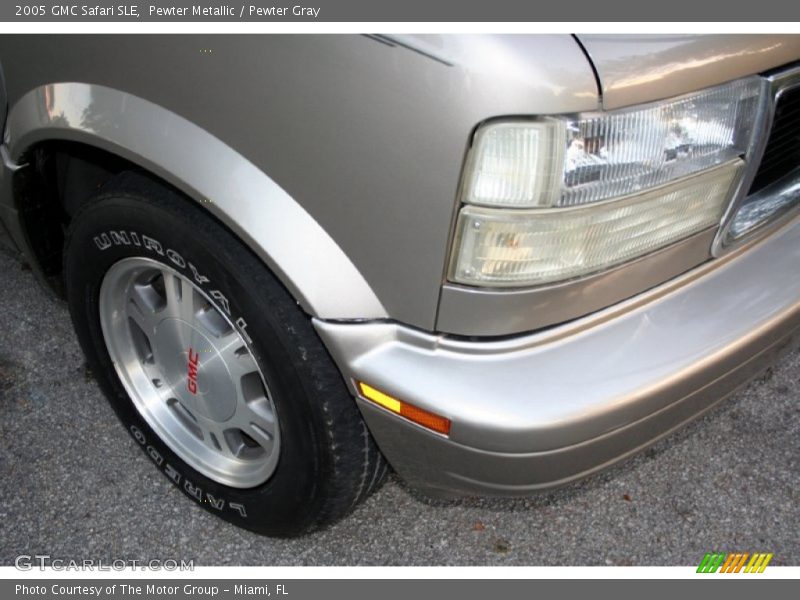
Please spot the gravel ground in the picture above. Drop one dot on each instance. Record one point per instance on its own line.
(74, 485)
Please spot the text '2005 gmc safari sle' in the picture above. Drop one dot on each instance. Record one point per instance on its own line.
(495, 263)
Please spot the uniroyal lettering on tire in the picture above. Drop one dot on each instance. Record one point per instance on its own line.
(191, 490)
(110, 238)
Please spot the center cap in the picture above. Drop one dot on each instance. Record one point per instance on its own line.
(195, 370)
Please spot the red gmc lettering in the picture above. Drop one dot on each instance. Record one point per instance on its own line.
(191, 381)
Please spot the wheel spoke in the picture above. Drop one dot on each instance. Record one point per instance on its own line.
(145, 317)
(255, 414)
(214, 438)
(237, 357)
(180, 297)
(264, 438)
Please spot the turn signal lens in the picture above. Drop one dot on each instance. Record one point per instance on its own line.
(517, 164)
(413, 413)
(501, 247)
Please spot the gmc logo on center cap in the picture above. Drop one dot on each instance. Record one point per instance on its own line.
(191, 380)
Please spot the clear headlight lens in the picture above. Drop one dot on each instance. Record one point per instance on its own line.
(626, 152)
(570, 161)
(569, 196)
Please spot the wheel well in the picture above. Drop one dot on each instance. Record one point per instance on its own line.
(58, 178)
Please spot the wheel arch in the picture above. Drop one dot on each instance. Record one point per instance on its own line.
(291, 243)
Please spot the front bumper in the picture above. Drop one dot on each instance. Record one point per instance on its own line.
(537, 411)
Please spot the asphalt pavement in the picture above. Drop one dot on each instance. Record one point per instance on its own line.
(74, 485)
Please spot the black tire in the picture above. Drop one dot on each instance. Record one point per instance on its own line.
(328, 461)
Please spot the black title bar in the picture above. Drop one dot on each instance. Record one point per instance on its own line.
(401, 11)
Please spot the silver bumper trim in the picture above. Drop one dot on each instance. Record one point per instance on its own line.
(587, 393)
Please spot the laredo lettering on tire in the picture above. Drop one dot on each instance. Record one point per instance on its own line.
(210, 364)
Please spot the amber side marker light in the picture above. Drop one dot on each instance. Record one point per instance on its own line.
(419, 416)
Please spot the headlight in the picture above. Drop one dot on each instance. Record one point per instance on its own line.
(564, 197)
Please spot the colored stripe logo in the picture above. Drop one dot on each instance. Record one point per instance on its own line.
(734, 562)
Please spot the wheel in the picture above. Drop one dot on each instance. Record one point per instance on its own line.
(210, 364)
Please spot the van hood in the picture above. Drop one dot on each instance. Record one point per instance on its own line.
(640, 68)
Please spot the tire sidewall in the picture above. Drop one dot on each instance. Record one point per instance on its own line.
(116, 227)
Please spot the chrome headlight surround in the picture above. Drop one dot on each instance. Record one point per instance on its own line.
(562, 197)
(753, 215)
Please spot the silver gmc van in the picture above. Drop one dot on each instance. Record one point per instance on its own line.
(495, 263)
